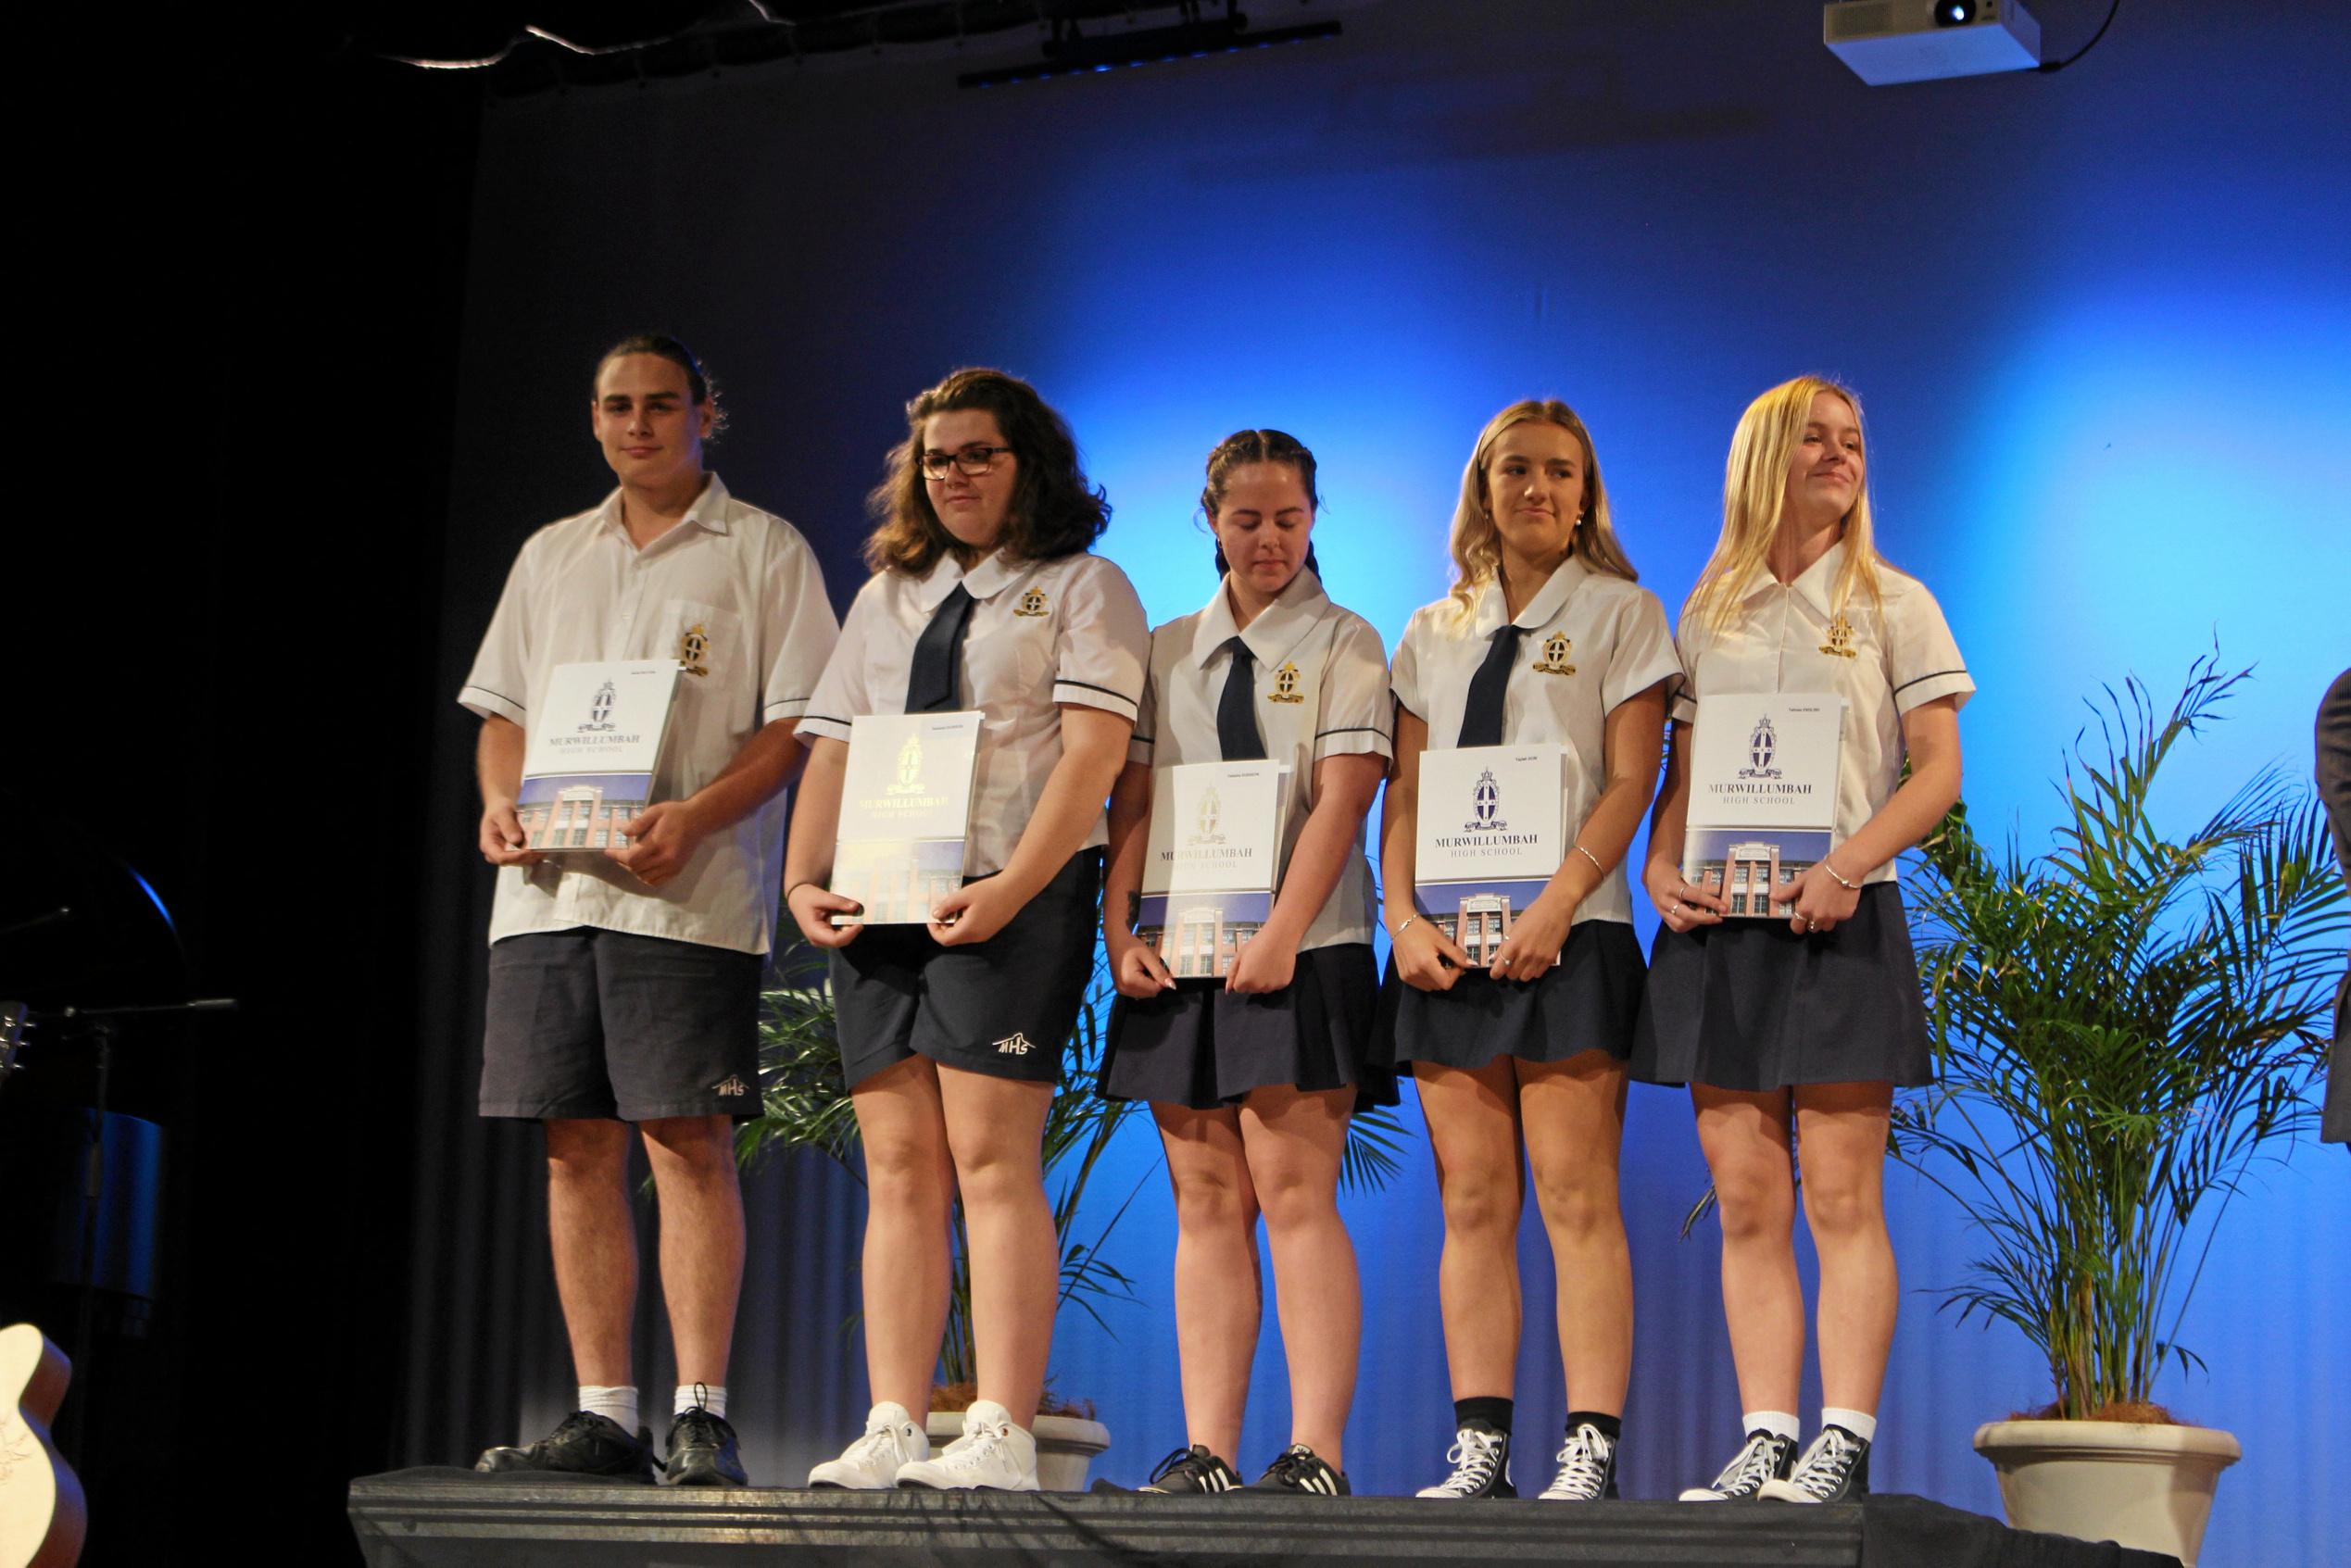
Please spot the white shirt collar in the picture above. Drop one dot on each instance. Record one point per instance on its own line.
(982, 582)
(1274, 633)
(708, 512)
(1540, 611)
(1816, 585)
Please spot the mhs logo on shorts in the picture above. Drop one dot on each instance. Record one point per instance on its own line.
(1015, 1043)
(731, 1087)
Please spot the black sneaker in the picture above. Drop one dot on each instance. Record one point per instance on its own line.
(1835, 1469)
(1480, 1457)
(1191, 1471)
(702, 1451)
(1297, 1470)
(1587, 1467)
(1762, 1458)
(586, 1444)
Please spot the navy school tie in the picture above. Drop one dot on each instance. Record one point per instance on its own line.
(938, 655)
(1236, 710)
(1481, 720)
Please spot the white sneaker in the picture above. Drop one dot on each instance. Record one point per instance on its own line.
(991, 1454)
(1480, 1457)
(1587, 1468)
(892, 1439)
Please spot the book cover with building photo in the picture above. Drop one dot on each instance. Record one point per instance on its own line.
(1490, 837)
(1211, 861)
(906, 808)
(594, 749)
(1763, 796)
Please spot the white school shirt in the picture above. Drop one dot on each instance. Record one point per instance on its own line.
(1320, 679)
(1041, 634)
(746, 586)
(1590, 641)
(1884, 659)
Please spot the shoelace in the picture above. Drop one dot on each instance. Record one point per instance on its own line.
(879, 1444)
(1473, 1457)
(1182, 1462)
(973, 1449)
(1749, 1468)
(696, 1425)
(1296, 1467)
(1824, 1468)
(1583, 1465)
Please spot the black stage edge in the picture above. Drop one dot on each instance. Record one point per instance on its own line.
(455, 1518)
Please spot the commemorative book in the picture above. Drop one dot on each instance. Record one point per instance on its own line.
(1211, 863)
(1491, 836)
(1763, 796)
(906, 808)
(594, 748)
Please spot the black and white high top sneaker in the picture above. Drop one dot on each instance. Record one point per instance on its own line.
(1835, 1469)
(1587, 1467)
(1764, 1458)
(1299, 1469)
(1190, 1473)
(1480, 1457)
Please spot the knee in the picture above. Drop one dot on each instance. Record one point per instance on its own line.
(1840, 1208)
(702, 1146)
(1293, 1199)
(1481, 1199)
(995, 1177)
(581, 1152)
(1756, 1203)
(1214, 1201)
(1578, 1201)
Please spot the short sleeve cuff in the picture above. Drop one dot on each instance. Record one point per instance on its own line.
(1088, 696)
(491, 705)
(1685, 708)
(813, 727)
(1138, 750)
(784, 707)
(1926, 688)
(1354, 741)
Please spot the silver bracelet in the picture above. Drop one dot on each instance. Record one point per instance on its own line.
(1603, 870)
(1400, 930)
(1848, 886)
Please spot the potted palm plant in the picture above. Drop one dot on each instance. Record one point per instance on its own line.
(805, 1105)
(2127, 1022)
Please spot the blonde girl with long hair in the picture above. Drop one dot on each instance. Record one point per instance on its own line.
(1518, 1051)
(1794, 1032)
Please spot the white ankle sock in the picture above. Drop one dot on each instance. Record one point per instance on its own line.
(618, 1403)
(1780, 1423)
(711, 1397)
(1861, 1425)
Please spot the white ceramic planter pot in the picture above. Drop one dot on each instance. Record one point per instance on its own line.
(2137, 1486)
(1066, 1446)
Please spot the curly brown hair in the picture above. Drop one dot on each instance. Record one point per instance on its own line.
(1054, 512)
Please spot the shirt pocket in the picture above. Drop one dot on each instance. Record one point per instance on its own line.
(716, 689)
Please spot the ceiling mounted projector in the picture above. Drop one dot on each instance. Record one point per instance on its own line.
(1886, 41)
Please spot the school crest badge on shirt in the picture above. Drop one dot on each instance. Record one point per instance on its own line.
(1284, 686)
(1840, 641)
(1034, 602)
(694, 649)
(1556, 650)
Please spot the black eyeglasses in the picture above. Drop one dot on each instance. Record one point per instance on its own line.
(971, 461)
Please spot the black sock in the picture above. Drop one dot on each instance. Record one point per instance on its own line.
(1610, 1426)
(1492, 1410)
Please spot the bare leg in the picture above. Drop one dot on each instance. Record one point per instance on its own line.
(910, 1188)
(1218, 1292)
(1473, 1131)
(1745, 1137)
(1841, 1130)
(1294, 1140)
(593, 1238)
(1573, 1113)
(996, 1129)
(701, 1199)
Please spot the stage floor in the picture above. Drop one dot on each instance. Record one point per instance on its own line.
(456, 1519)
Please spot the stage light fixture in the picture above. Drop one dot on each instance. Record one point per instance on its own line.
(1889, 40)
(1070, 53)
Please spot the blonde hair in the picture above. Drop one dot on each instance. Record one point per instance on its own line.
(1477, 543)
(1754, 492)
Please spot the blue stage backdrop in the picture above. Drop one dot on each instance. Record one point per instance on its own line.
(2100, 318)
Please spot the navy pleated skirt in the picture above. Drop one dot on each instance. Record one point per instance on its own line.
(1752, 1005)
(1203, 1046)
(1588, 1000)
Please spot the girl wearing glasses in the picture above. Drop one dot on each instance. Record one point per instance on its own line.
(983, 597)
(1791, 1033)
(1251, 1078)
(1544, 638)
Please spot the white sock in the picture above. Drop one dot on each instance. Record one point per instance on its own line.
(711, 1397)
(618, 1403)
(1862, 1427)
(1780, 1423)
